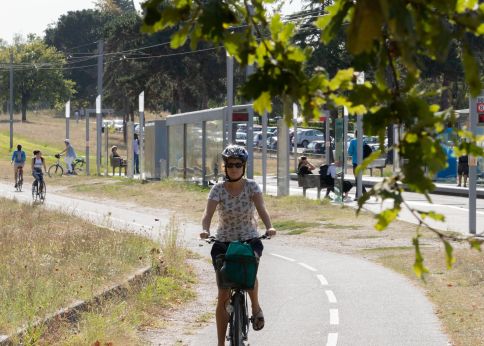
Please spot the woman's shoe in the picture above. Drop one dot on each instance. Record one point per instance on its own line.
(257, 321)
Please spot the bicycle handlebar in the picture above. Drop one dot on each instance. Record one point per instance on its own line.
(211, 239)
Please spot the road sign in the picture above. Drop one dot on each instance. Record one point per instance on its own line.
(480, 110)
(240, 116)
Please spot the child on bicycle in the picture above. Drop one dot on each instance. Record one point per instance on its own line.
(237, 199)
(18, 161)
(37, 163)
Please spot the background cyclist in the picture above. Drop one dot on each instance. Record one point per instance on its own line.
(37, 163)
(237, 199)
(70, 155)
(18, 160)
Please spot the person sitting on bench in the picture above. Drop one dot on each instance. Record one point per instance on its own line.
(304, 166)
(329, 179)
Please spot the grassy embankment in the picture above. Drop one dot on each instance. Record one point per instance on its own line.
(50, 260)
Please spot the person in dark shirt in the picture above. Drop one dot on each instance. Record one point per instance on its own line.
(463, 169)
(304, 166)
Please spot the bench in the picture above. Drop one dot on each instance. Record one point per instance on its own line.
(377, 164)
(308, 181)
(117, 162)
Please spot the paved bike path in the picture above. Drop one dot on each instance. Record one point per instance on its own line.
(309, 297)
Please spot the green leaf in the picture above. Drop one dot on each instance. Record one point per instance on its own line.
(450, 259)
(263, 103)
(471, 69)
(480, 29)
(365, 27)
(463, 5)
(179, 38)
(419, 267)
(411, 138)
(385, 218)
(476, 244)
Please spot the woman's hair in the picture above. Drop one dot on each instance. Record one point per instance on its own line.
(36, 152)
(19, 147)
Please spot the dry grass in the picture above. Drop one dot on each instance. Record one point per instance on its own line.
(51, 259)
(119, 320)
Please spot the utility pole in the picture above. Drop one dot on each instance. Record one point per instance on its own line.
(230, 101)
(11, 99)
(475, 105)
(68, 115)
(141, 108)
(100, 70)
(360, 79)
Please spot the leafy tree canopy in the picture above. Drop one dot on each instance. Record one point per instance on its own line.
(38, 74)
(388, 38)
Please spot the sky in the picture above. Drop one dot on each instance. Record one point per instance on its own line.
(33, 16)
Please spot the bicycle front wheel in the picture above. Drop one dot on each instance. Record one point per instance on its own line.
(237, 328)
(42, 191)
(55, 171)
(19, 183)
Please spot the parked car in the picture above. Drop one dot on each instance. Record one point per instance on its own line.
(318, 147)
(241, 138)
(257, 140)
(272, 142)
(118, 125)
(306, 136)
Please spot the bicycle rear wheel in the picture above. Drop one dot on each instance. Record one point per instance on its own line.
(55, 171)
(35, 192)
(237, 325)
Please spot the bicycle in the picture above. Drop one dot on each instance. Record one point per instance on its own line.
(238, 309)
(56, 169)
(38, 193)
(20, 178)
(78, 165)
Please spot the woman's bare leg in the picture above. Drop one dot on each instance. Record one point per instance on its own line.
(254, 297)
(221, 315)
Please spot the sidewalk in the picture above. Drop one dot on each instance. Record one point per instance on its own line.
(440, 188)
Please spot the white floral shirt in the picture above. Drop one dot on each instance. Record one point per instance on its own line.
(236, 213)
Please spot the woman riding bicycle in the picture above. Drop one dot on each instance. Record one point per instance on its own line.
(37, 163)
(236, 198)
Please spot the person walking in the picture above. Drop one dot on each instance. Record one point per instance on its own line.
(136, 153)
(352, 151)
(463, 169)
(70, 155)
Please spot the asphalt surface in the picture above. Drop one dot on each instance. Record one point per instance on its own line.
(454, 208)
(309, 297)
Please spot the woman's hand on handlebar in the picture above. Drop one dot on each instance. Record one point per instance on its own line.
(271, 232)
(204, 235)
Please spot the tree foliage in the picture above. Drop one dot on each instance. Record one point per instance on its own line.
(38, 76)
(387, 38)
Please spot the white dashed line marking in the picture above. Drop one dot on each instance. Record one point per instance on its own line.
(331, 296)
(333, 316)
(284, 257)
(332, 339)
(322, 279)
(307, 266)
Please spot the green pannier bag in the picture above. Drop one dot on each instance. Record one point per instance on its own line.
(240, 267)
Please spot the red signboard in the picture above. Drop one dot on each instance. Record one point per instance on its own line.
(481, 119)
(480, 108)
(240, 116)
(322, 119)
